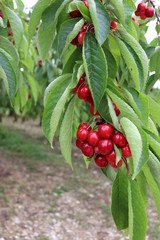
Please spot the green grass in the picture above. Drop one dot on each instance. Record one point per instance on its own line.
(17, 143)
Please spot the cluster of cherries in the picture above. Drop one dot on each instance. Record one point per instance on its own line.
(78, 40)
(143, 12)
(40, 63)
(100, 144)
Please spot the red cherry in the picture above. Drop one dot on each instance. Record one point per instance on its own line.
(86, 3)
(116, 109)
(81, 37)
(143, 16)
(93, 138)
(133, 18)
(40, 60)
(75, 41)
(89, 100)
(119, 140)
(105, 131)
(84, 28)
(84, 125)
(137, 13)
(105, 146)
(79, 144)
(126, 151)
(8, 24)
(101, 161)
(10, 33)
(75, 14)
(87, 150)
(84, 74)
(82, 134)
(1, 14)
(36, 47)
(92, 111)
(141, 7)
(83, 92)
(111, 158)
(81, 81)
(120, 163)
(29, 95)
(113, 25)
(149, 12)
(96, 150)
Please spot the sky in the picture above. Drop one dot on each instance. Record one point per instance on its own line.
(151, 34)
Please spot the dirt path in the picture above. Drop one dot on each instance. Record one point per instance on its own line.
(52, 202)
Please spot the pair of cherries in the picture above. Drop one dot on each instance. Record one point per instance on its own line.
(143, 12)
(101, 144)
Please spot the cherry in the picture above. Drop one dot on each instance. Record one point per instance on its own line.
(105, 131)
(10, 33)
(137, 13)
(113, 164)
(126, 151)
(101, 161)
(87, 150)
(92, 111)
(116, 109)
(133, 18)
(83, 92)
(36, 47)
(40, 60)
(93, 138)
(84, 125)
(86, 3)
(105, 146)
(79, 144)
(84, 74)
(1, 14)
(120, 163)
(141, 7)
(89, 100)
(82, 134)
(96, 150)
(143, 16)
(29, 95)
(75, 41)
(84, 28)
(75, 14)
(113, 25)
(149, 12)
(79, 84)
(119, 140)
(81, 37)
(111, 158)
(8, 24)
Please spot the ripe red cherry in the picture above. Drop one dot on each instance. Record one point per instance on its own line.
(92, 111)
(84, 125)
(105, 146)
(79, 144)
(86, 3)
(93, 138)
(82, 134)
(149, 12)
(75, 14)
(96, 150)
(113, 25)
(83, 92)
(101, 161)
(137, 13)
(36, 47)
(75, 41)
(143, 16)
(119, 140)
(81, 37)
(10, 33)
(89, 100)
(8, 24)
(111, 158)
(40, 60)
(105, 131)
(126, 151)
(113, 164)
(79, 84)
(84, 28)
(141, 7)
(87, 150)
(116, 109)
(29, 95)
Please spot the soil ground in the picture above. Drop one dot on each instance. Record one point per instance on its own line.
(41, 198)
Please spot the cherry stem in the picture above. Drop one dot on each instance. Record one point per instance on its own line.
(125, 161)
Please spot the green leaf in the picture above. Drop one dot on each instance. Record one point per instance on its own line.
(118, 9)
(118, 154)
(112, 65)
(65, 137)
(33, 86)
(55, 98)
(16, 25)
(8, 75)
(153, 186)
(137, 140)
(113, 115)
(119, 201)
(125, 109)
(129, 8)
(104, 109)
(133, 43)
(95, 65)
(109, 172)
(139, 103)
(84, 11)
(142, 183)
(87, 161)
(154, 142)
(45, 39)
(155, 63)
(72, 55)
(100, 19)
(154, 109)
(154, 166)
(38, 9)
(137, 212)
(114, 49)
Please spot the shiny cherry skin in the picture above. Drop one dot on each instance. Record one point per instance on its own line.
(149, 12)
(75, 14)
(93, 138)
(105, 146)
(83, 92)
(111, 158)
(84, 126)
(82, 134)
(92, 111)
(81, 37)
(79, 144)
(87, 150)
(105, 131)
(119, 140)
(113, 25)
(126, 151)
(141, 7)
(101, 161)
(96, 150)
